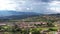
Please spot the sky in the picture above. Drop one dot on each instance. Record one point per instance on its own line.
(39, 6)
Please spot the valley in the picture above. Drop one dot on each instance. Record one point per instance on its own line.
(48, 24)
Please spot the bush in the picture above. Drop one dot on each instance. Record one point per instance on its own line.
(51, 29)
(50, 25)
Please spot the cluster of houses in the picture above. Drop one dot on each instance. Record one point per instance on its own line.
(24, 24)
(30, 24)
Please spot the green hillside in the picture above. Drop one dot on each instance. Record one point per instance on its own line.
(45, 18)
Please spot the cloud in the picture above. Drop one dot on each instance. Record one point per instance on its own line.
(46, 0)
(54, 6)
(40, 6)
(7, 5)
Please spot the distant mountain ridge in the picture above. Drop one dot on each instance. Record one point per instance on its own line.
(21, 15)
(16, 15)
(9, 13)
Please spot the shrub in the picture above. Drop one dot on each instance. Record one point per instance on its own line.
(52, 29)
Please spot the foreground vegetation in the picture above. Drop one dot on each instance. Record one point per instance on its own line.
(16, 30)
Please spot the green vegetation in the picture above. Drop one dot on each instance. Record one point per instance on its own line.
(49, 19)
(52, 29)
(52, 24)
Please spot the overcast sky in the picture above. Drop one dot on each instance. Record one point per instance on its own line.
(40, 6)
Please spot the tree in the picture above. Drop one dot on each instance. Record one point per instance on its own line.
(36, 31)
(50, 25)
(52, 29)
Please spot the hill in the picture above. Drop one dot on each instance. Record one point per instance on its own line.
(44, 18)
(28, 16)
(14, 15)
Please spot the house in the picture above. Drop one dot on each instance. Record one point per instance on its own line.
(58, 32)
(44, 32)
(2, 24)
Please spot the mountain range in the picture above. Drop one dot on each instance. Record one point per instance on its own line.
(20, 15)
(16, 15)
